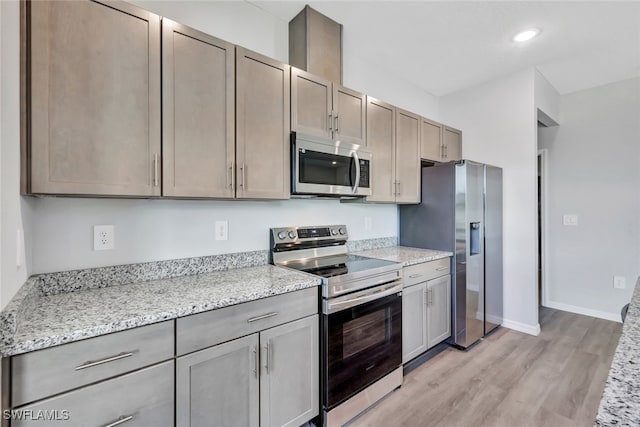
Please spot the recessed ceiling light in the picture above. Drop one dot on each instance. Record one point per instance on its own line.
(526, 35)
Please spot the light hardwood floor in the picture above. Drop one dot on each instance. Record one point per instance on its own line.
(510, 379)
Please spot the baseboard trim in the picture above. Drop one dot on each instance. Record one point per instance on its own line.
(522, 327)
(614, 317)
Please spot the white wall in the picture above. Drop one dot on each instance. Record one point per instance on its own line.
(148, 230)
(547, 98)
(15, 213)
(593, 171)
(499, 128)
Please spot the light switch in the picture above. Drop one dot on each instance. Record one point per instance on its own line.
(570, 219)
(619, 282)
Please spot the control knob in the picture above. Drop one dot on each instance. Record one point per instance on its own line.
(282, 235)
(334, 231)
(292, 234)
(342, 230)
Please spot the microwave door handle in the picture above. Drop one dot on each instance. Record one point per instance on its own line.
(354, 155)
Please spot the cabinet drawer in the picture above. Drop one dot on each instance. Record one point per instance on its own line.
(419, 273)
(46, 372)
(143, 398)
(213, 327)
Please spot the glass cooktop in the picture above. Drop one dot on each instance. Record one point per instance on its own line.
(338, 265)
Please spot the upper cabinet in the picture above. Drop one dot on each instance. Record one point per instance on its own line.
(452, 144)
(198, 110)
(381, 139)
(262, 127)
(325, 109)
(440, 143)
(431, 141)
(407, 187)
(94, 99)
(393, 135)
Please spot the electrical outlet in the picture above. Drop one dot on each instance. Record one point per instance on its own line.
(368, 223)
(222, 230)
(103, 237)
(569, 219)
(619, 282)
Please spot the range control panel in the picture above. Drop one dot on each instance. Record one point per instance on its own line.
(309, 234)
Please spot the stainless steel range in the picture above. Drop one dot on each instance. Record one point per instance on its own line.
(361, 322)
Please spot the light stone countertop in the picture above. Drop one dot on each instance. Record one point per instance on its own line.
(620, 404)
(405, 255)
(71, 316)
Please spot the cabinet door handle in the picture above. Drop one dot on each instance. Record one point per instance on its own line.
(254, 352)
(119, 421)
(330, 119)
(430, 297)
(399, 188)
(395, 188)
(267, 357)
(155, 169)
(446, 151)
(337, 123)
(442, 268)
(264, 316)
(91, 364)
(413, 276)
(231, 176)
(242, 170)
(424, 297)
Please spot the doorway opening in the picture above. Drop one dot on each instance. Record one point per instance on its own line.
(542, 256)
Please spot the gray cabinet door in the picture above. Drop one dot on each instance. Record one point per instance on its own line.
(311, 104)
(452, 144)
(431, 141)
(407, 157)
(349, 109)
(289, 380)
(95, 99)
(219, 385)
(198, 110)
(381, 135)
(262, 127)
(414, 321)
(438, 310)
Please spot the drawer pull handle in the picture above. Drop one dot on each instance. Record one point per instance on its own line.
(264, 316)
(413, 276)
(442, 268)
(119, 421)
(107, 360)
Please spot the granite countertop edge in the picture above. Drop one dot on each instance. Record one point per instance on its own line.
(620, 405)
(407, 256)
(295, 282)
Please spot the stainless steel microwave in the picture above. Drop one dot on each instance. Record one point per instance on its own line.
(329, 168)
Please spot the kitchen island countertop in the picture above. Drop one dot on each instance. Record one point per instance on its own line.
(620, 404)
(405, 255)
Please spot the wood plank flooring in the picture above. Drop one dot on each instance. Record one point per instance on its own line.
(510, 379)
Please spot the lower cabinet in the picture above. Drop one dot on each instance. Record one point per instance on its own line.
(143, 398)
(265, 379)
(438, 310)
(426, 316)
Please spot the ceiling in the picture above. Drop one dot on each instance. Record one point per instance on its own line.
(448, 46)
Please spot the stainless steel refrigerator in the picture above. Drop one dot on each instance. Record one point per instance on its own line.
(461, 212)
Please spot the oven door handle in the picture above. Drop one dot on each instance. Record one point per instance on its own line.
(332, 307)
(356, 160)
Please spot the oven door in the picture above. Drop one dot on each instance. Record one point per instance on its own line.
(362, 341)
(329, 168)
